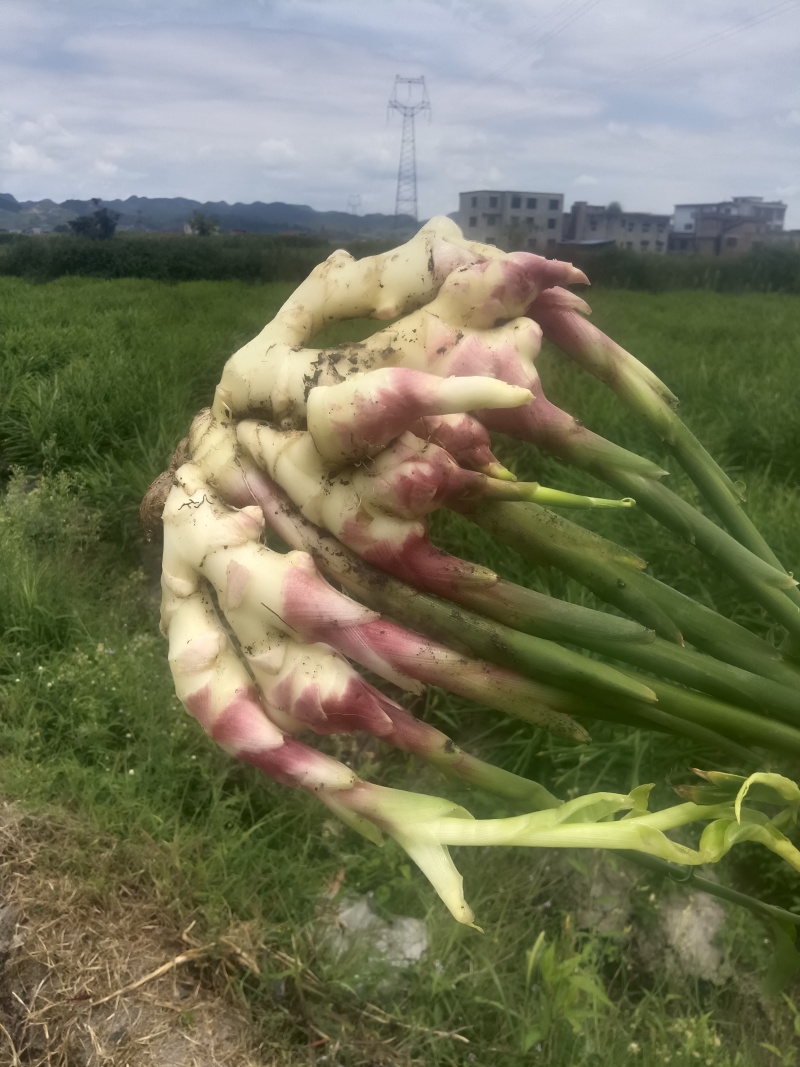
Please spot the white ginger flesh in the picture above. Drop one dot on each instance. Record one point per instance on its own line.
(365, 413)
(265, 595)
(365, 439)
(381, 287)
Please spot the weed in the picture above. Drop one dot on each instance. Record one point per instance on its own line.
(98, 380)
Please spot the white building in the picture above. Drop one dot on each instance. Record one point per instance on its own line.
(512, 220)
(768, 214)
(730, 227)
(596, 224)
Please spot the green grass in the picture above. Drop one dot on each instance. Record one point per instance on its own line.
(266, 257)
(165, 257)
(98, 381)
(766, 270)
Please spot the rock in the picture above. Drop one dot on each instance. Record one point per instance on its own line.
(691, 924)
(399, 942)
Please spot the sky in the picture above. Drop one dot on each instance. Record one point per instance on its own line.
(647, 102)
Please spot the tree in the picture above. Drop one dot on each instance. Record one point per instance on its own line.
(101, 225)
(203, 225)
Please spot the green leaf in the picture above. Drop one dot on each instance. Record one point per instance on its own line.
(720, 836)
(533, 956)
(775, 789)
(784, 962)
(591, 808)
(591, 988)
(532, 1036)
(771, 1048)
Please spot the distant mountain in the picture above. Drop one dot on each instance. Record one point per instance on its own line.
(166, 214)
(8, 203)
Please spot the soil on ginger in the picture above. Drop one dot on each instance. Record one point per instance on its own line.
(69, 955)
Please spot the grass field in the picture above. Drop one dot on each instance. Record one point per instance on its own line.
(98, 381)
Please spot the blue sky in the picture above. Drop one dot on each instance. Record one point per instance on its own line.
(652, 102)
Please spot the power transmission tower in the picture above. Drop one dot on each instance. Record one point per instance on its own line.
(409, 97)
(354, 204)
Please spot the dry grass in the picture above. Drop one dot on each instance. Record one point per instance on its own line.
(86, 979)
(90, 977)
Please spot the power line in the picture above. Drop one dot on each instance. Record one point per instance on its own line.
(538, 27)
(703, 42)
(547, 37)
(538, 38)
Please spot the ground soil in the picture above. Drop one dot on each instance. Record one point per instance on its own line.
(89, 978)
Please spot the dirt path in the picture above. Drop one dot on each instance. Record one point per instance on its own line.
(89, 979)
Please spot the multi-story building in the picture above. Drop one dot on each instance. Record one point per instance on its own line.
(600, 225)
(529, 222)
(536, 222)
(731, 227)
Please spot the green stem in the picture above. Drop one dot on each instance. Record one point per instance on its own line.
(498, 644)
(550, 428)
(677, 663)
(598, 564)
(547, 616)
(647, 395)
(765, 583)
(603, 567)
(718, 636)
(702, 672)
(725, 718)
(461, 766)
(541, 494)
(687, 876)
(712, 482)
(695, 709)
(653, 717)
(508, 648)
(533, 656)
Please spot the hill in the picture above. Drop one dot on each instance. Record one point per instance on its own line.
(169, 214)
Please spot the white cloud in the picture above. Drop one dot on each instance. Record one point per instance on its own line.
(27, 157)
(276, 153)
(106, 168)
(286, 100)
(622, 130)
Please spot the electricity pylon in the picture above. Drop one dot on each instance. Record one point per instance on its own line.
(409, 97)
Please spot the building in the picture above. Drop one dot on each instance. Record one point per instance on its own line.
(731, 227)
(598, 226)
(536, 222)
(521, 221)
